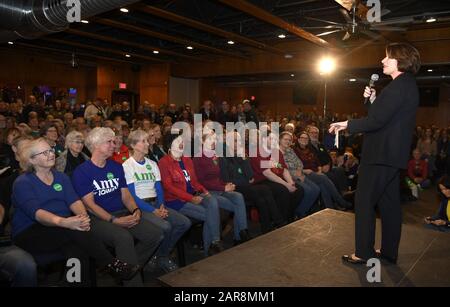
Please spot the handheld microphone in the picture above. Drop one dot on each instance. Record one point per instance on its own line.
(374, 78)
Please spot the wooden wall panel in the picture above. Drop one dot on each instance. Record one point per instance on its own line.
(342, 99)
(109, 75)
(29, 70)
(154, 83)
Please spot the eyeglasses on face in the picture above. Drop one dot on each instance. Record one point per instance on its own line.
(46, 153)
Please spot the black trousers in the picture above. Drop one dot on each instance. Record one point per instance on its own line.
(286, 202)
(39, 239)
(378, 186)
(261, 196)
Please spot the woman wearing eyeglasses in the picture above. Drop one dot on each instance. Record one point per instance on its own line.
(49, 217)
(73, 156)
(50, 133)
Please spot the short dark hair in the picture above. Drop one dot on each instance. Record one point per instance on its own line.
(407, 56)
(168, 140)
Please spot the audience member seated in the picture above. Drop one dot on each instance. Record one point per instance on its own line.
(441, 221)
(443, 153)
(50, 133)
(185, 194)
(49, 217)
(17, 267)
(208, 174)
(418, 170)
(155, 153)
(313, 171)
(73, 156)
(121, 152)
(7, 154)
(238, 170)
(276, 177)
(295, 167)
(428, 147)
(144, 182)
(336, 174)
(115, 218)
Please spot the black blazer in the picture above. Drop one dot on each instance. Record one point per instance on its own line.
(389, 126)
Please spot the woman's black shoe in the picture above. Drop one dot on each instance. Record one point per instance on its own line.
(349, 259)
(245, 236)
(379, 255)
(122, 270)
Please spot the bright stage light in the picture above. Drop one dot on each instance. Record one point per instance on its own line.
(326, 66)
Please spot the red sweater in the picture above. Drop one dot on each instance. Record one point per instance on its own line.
(173, 179)
(258, 170)
(208, 173)
(417, 168)
(121, 156)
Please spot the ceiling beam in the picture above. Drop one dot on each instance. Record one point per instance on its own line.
(58, 50)
(263, 15)
(102, 49)
(206, 28)
(166, 37)
(129, 43)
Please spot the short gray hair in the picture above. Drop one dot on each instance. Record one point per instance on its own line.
(135, 136)
(98, 136)
(72, 137)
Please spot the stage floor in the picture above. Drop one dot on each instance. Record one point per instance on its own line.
(308, 253)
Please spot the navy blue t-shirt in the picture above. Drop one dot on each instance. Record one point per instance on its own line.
(106, 183)
(30, 194)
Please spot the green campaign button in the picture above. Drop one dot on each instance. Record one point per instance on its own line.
(57, 187)
(110, 176)
(149, 167)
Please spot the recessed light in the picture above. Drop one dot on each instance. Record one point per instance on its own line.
(352, 80)
(443, 77)
(230, 42)
(11, 43)
(190, 47)
(430, 70)
(85, 21)
(281, 36)
(431, 19)
(128, 56)
(292, 75)
(155, 51)
(288, 56)
(124, 10)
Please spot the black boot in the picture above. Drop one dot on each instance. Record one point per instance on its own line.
(122, 270)
(245, 236)
(215, 248)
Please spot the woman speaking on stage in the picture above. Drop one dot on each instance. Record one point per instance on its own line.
(387, 130)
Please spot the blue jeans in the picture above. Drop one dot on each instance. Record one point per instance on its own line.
(208, 212)
(328, 190)
(173, 227)
(18, 266)
(233, 202)
(310, 195)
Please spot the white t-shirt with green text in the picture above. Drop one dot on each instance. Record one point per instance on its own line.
(143, 176)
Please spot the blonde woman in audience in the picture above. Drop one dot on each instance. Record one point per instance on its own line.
(50, 218)
(73, 156)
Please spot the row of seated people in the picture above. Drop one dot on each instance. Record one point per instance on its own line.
(120, 199)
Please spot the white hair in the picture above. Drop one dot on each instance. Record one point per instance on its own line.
(98, 136)
(72, 137)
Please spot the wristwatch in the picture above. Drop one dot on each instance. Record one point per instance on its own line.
(111, 220)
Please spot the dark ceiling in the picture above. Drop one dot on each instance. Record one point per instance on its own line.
(145, 29)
